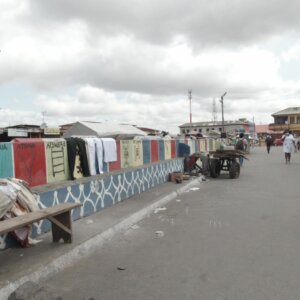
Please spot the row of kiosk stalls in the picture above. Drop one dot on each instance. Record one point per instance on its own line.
(45, 161)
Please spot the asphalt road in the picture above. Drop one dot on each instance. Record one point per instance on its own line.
(233, 239)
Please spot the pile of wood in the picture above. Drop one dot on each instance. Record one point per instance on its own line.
(227, 153)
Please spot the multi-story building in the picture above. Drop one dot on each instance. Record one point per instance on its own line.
(207, 128)
(287, 119)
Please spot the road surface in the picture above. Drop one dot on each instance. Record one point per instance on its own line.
(233, 239)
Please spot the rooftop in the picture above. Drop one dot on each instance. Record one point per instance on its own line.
(287, 111)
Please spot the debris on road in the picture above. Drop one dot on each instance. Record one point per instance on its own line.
(158, 209)
(135, 226)
(159, 233)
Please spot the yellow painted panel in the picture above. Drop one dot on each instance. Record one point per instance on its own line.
(126, 154)
(202, 145)
(137, 153)
(168, 149)
(56, 160)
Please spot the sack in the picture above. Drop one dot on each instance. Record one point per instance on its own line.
(239, 145)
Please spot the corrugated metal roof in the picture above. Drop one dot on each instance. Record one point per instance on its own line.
(287, 111)
(217, 123)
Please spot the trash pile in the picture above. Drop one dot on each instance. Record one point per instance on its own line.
(16, 199)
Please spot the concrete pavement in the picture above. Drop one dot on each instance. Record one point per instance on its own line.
(19, 265)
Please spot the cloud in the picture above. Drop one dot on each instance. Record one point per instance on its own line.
(203, 22)
(134, 61)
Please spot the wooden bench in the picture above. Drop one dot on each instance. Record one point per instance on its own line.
(59, 215)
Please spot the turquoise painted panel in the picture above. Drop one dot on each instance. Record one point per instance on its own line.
(6, 160)
(146, 152)
(161, 150)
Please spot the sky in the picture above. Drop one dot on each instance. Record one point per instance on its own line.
(134, 61)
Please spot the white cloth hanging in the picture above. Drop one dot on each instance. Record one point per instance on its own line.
(99, 154)
(109, 149)
(91, 147)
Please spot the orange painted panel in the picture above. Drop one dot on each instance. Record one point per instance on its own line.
(173, 148)
(154, 151)
(30, 161)
(116, 165)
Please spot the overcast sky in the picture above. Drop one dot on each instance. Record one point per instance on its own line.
(134, 61)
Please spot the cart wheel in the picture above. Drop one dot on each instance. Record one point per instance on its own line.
(215, 168)
(234, 170)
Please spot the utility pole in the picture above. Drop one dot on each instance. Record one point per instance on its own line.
(190, 98)
(214, 111)
(222, 100)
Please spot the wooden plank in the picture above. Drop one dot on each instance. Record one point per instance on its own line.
(32, 217)
(59, 224)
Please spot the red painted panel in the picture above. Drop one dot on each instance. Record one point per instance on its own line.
(116, 165)
(154, 151)
(173, 148)
(30, 161)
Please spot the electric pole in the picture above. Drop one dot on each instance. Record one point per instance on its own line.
(214, 111)
(222, 100)
(190, 98)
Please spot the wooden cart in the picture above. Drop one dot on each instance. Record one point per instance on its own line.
(225, 160)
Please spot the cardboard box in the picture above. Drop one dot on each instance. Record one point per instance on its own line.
(176, 176)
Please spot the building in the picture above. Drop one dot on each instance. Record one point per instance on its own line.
(27, 131)
(287, 119)
(263, 130)
(209, 128)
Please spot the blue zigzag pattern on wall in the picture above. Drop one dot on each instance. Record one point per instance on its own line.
(100, 193)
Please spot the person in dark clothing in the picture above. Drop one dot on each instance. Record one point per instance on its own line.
(268, 141)
(240, 145)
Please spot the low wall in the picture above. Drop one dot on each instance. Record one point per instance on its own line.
(99, 192)
(45, 161)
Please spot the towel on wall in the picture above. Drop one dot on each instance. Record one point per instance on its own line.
(99, 154)
(109, 149)
(91, 147)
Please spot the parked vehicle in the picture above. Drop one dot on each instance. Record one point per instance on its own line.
(278, 142)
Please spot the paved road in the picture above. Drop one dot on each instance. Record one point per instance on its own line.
(231, 240)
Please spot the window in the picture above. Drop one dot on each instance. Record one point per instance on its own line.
(207, 129)
(298, 120)
(212, 129)
(292, 120)
(200, 130)
(220, 129)
(183, 130)
(187, 130)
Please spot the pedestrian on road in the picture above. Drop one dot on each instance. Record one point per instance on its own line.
(288, 145)
(240, 145)
(268, 141)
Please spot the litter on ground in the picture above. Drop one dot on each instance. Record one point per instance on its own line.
(159, 233)
(158, 209)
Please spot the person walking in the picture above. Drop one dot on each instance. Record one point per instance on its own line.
(288, 145)
(268, 141)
